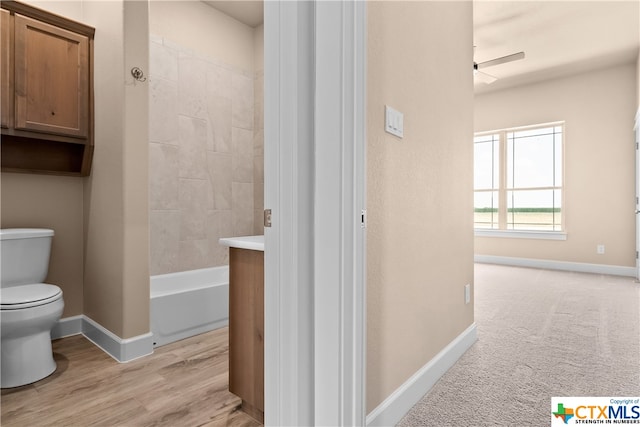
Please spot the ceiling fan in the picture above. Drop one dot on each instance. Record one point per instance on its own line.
(488, 78)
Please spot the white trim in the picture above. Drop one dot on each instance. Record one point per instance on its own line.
(359, 309)
(67, 327)
(520, 234)
(314, 257)
(288, 184)
(122, 350)
(636, 140)
(339, 200)
(520, 128)
(394, 407)
(613, 270)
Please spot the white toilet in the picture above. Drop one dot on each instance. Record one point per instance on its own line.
(28, 308)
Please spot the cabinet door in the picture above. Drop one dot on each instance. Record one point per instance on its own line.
(6, 110)
(51, 79)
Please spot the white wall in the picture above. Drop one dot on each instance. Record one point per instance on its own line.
(598, 108)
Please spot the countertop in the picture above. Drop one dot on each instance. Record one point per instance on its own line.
(254, 243)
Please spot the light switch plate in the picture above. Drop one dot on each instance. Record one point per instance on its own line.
(393, 121)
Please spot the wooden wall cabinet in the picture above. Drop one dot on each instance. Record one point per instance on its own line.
(47, 92)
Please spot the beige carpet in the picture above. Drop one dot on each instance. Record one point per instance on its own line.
(540, 334)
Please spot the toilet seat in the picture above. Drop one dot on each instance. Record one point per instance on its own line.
(26, 296)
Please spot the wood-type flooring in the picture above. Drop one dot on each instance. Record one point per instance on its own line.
(183, 384)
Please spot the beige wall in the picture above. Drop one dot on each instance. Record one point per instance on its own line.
(52, 202)
(135, 157)
(103, 189)
(42, 201)
(100, 252)
(115, 195)
(419, 188)
(598, 108)
(638, 79)
(205, 30)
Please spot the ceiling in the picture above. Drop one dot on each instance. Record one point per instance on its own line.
(558, 37)
(248, 12)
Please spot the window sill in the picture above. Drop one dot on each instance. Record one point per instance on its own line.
(522, 234)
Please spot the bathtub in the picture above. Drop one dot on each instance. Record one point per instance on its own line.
(188, 303)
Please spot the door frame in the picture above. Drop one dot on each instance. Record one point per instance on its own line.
(637, 143)
(315, 186)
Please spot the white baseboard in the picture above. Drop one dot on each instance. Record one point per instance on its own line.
(613, 270)
(394, 407)
(122, 350)
(67, 327)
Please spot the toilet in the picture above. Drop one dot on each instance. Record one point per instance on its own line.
(29, 309)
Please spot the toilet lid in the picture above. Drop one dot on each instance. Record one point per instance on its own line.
(25, 296)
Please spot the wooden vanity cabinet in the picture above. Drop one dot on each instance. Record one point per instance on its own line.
(246, 329)
(47, 92)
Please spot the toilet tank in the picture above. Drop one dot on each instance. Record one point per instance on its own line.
(24, 254)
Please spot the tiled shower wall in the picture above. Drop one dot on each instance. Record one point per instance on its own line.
(258, 152)
(205, 160)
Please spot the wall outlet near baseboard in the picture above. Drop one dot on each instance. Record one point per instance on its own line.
(467, 293)
(600, 249)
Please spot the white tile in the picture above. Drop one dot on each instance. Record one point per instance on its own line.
(218, 81)
(219, 115)
(258, 169)
(163, 62)
(193, 148)
(242, 101)
(195, 254)
(258, 143)
(163, 176)
(242, 161)
(192, 96)
(164, 230)
(242, 208)
(219, 227)
(258, 89)
(220, 178)
(258, 196)
(193, 209)
(163, 111)
(242, 168)
(242, 140)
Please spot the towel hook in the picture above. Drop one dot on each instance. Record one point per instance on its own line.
(138, 74)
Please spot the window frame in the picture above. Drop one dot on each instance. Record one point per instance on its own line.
(502, 230)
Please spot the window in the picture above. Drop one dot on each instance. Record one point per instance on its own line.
(518, 179)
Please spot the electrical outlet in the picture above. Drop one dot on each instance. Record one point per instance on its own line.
(600, 249)
(467, 293)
